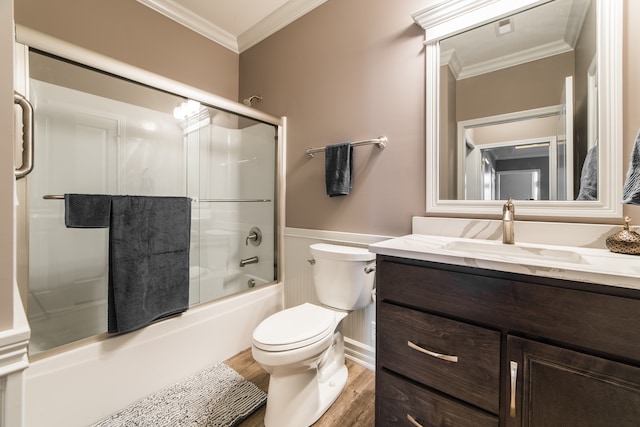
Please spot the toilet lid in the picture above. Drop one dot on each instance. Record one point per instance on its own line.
(294, 327)
(341, 253)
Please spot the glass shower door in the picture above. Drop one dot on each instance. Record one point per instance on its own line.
(98, 134)
(91, 136)
(232, 182)
(76, 153)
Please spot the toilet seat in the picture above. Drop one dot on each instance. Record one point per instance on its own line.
(295, 327)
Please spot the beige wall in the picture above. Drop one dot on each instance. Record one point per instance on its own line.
(349, 70)
(345, 71)
(535, 84)
(130, 32)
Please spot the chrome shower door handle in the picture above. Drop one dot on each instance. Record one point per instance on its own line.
(27, 136)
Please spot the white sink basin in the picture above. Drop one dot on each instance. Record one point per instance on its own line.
(515, 251)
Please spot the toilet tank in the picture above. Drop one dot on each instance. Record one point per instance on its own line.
(339, 275)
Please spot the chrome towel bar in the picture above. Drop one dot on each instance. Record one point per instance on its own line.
(381, 142)
(61, 197)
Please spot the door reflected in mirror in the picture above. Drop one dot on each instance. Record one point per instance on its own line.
(529, 148)
(518, 170)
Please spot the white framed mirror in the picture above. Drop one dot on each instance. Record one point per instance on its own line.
(499, 62)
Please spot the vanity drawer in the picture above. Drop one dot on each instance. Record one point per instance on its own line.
(456, 358)
(398, 399)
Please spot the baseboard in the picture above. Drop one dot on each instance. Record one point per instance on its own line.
(360, 353)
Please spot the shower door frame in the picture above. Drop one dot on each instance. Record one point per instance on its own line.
(27, 38)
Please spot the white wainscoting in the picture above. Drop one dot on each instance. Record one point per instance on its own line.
(358, 327)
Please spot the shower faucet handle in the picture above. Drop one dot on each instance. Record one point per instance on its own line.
(255, 237)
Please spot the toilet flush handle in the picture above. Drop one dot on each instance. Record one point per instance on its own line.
(370, 268)
(311, 261)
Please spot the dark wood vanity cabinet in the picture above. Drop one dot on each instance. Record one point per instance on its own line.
(462, 346)
(560, 387)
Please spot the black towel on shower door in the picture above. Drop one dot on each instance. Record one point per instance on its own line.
(149, 241)
(87, 210)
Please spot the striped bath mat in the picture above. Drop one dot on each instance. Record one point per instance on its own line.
(215, 397)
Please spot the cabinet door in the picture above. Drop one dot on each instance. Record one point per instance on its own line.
(550, 386)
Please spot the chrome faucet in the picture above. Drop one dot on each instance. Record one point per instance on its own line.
(508, 218)
(252, 260)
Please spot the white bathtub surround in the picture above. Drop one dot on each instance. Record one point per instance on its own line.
(559, 250)
(88, 383)
(359, 327)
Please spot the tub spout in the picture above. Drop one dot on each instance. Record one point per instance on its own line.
(252, 260)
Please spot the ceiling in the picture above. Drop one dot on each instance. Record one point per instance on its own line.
(235, 24)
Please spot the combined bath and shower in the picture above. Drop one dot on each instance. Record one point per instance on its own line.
(251, 100)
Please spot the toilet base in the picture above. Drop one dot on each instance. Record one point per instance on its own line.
(307, 405)
(297, 397)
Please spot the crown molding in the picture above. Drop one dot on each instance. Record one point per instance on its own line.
(281, 17)
(522, 57)
(275, 21)
(443, 18)
(447, 17)
(192, 21)
(444, 10)
(450, 58)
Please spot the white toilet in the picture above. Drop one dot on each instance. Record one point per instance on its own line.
(302, 347)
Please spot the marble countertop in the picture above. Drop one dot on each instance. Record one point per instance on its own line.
(584, 264)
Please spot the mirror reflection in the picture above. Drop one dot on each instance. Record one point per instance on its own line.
(518, 107)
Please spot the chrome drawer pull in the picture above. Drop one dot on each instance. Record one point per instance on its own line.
(514, 376)
(413, 421)
(446, 357)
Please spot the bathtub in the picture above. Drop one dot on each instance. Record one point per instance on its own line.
(96, 378)
(207, 286)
